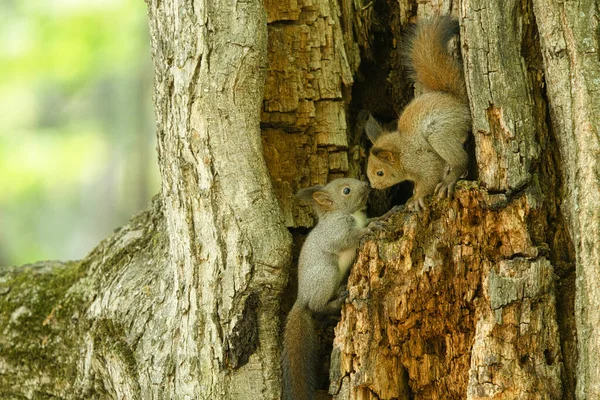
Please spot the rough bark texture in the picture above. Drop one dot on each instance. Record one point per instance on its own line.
(304, 110)
(462, 303)
(569, 45)
(228, 245)
(87, 329)
(184, 302)
(452, 305)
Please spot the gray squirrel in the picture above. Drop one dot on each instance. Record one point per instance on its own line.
(325, 259)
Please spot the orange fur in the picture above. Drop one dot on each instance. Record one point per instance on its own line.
(433, 67)
(299, 357)
(427, 148)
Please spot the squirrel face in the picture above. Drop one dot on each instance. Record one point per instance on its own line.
(345, 194)
(383, 166)
(381, 169)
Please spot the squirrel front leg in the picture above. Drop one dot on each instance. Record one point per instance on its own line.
(354, 236)
(421, 190)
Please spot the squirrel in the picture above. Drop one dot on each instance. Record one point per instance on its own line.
(324, 262)
(427, 147)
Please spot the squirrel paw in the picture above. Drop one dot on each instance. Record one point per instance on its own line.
(444, 189)
(342, 295)
(417, 204)
(376, 225)
(391, 212)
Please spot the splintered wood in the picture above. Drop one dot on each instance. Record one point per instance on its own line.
(456, 304)
(304, 110)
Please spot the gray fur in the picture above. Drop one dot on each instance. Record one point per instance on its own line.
(325, 259)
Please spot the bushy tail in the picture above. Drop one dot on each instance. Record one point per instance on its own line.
(428, 58)
(300, 346)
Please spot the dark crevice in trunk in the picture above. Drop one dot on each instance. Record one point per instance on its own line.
(381, 86)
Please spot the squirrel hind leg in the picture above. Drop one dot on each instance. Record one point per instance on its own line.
(445, 189)
(333, 306)
(417, 204)
(450, 148)
(324, 296)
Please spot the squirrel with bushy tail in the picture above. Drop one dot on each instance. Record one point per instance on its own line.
(325, 259)
(427, 147)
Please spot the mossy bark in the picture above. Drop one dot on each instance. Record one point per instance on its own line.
(65, 325)
(184, 301)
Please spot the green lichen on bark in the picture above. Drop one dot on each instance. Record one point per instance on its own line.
(51, 346)
(38, 342)
(110, 337)
(110, 342)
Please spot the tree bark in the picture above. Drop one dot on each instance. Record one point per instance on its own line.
(462, 303)
(304, 115)
(490, 295)
(86, 329)
(569, 45)
(186, 306)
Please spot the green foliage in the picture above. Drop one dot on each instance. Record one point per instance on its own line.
(76, 125)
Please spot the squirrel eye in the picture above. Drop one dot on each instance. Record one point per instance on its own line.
(346, 190)
(379, 173)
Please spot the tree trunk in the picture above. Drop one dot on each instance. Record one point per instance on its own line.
(184, 302)
(493, 294)
(476, 299)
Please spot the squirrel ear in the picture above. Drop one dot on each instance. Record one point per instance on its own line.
(307, 194)
(384, 155)
(323, 199)
(373, 129)
(317, 197)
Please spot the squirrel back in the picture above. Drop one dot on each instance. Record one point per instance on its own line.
(428, 59)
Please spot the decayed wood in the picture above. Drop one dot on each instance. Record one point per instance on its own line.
(472, 300)
(462, 302)
(456, 304)
(304, 110)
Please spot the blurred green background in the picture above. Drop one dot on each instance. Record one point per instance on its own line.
(77, 140)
